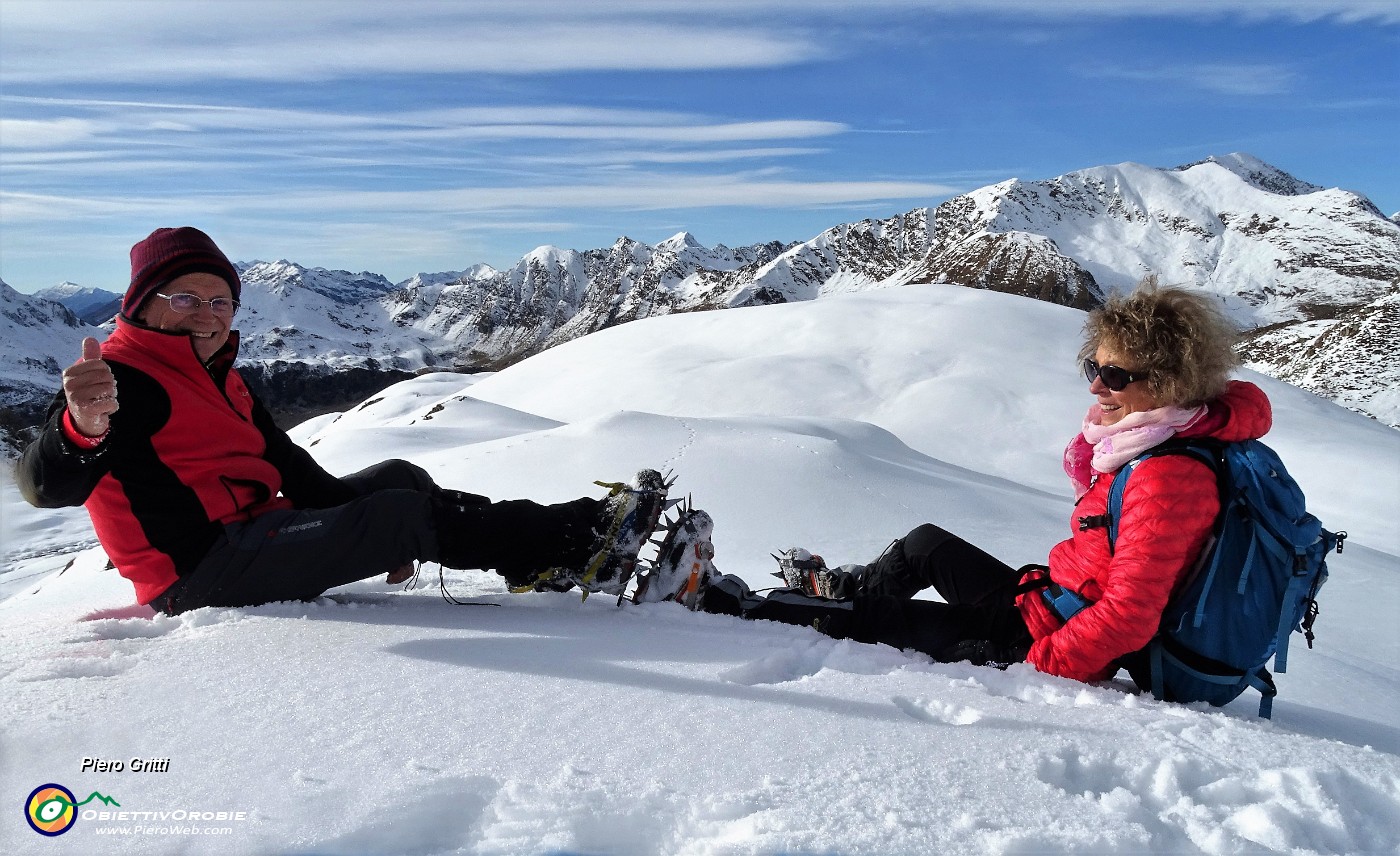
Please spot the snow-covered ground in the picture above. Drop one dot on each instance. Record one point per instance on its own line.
(380, 720)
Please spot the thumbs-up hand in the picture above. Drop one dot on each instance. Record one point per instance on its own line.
(91, 391)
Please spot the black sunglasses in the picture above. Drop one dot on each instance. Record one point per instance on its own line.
(1113, 377)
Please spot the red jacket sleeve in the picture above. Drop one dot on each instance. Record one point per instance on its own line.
(1169, 506)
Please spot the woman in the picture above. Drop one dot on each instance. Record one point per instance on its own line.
(1158, 362)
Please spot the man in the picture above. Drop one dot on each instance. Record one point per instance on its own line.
(200, 500)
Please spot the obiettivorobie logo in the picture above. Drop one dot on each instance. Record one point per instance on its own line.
(52, 809)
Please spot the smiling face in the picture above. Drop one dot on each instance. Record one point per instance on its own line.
(1133, 398)
(207, 331)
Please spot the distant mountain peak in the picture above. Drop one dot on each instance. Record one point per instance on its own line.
(63, 289)
(680, 241)
(92, 305)
(1258, 174)
(283, 277)
(550, 254)
(423, 279)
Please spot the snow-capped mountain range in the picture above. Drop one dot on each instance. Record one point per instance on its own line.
(92, 305)
(1314, 272)
(37, 339)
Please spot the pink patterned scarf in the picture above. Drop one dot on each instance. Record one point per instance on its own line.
(1105, 448)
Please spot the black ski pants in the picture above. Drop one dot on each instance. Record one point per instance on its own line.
(980, 620)
(400, 515)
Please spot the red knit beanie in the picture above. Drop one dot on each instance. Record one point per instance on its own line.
(168, 253)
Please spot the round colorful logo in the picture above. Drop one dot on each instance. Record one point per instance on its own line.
(51, 809)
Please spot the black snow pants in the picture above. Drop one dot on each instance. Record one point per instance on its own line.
(400, 516)
(979, 621)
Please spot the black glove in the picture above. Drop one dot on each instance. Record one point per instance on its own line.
(985, 652)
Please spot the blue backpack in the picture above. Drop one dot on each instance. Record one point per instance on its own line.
(1255, 583)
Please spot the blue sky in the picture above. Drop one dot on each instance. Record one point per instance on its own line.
(404, 137)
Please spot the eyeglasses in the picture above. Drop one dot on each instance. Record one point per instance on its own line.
(1113, 377)
(188, 304)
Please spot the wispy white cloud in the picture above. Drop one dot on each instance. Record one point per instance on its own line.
(44, 133)
(636, 192)
(158, 41)
(52, 41)
(628, 157)
(196, 115)
(1297, 10)
(135, 121)
(28, 209)
(74, 164)
(724, 132)
(1245, 79)
(527, 157)
(1345, 11)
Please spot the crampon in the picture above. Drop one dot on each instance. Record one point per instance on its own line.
(630, 515)
(805, 571)
(683, 568)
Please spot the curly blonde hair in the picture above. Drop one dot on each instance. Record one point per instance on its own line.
(1180, 337)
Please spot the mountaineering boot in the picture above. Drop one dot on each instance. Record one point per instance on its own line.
(682, 571)
(807, 572)
(628, 516)
(517, 538)
(730, 595)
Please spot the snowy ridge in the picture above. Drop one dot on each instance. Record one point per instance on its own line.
(850, 257)
(378, 720)
(1264, 176)
(329, 319)
(38, 338)
(284, 277)
(1273, 257)
(93, 305)
(553, 295)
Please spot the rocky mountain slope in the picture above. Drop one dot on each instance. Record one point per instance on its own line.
(1314, 273)
(92, 305)
(37, 339)
(553, 295)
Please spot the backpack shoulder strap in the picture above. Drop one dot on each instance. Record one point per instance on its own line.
(1207, 451)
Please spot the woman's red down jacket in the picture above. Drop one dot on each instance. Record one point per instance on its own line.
(1168, 508)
